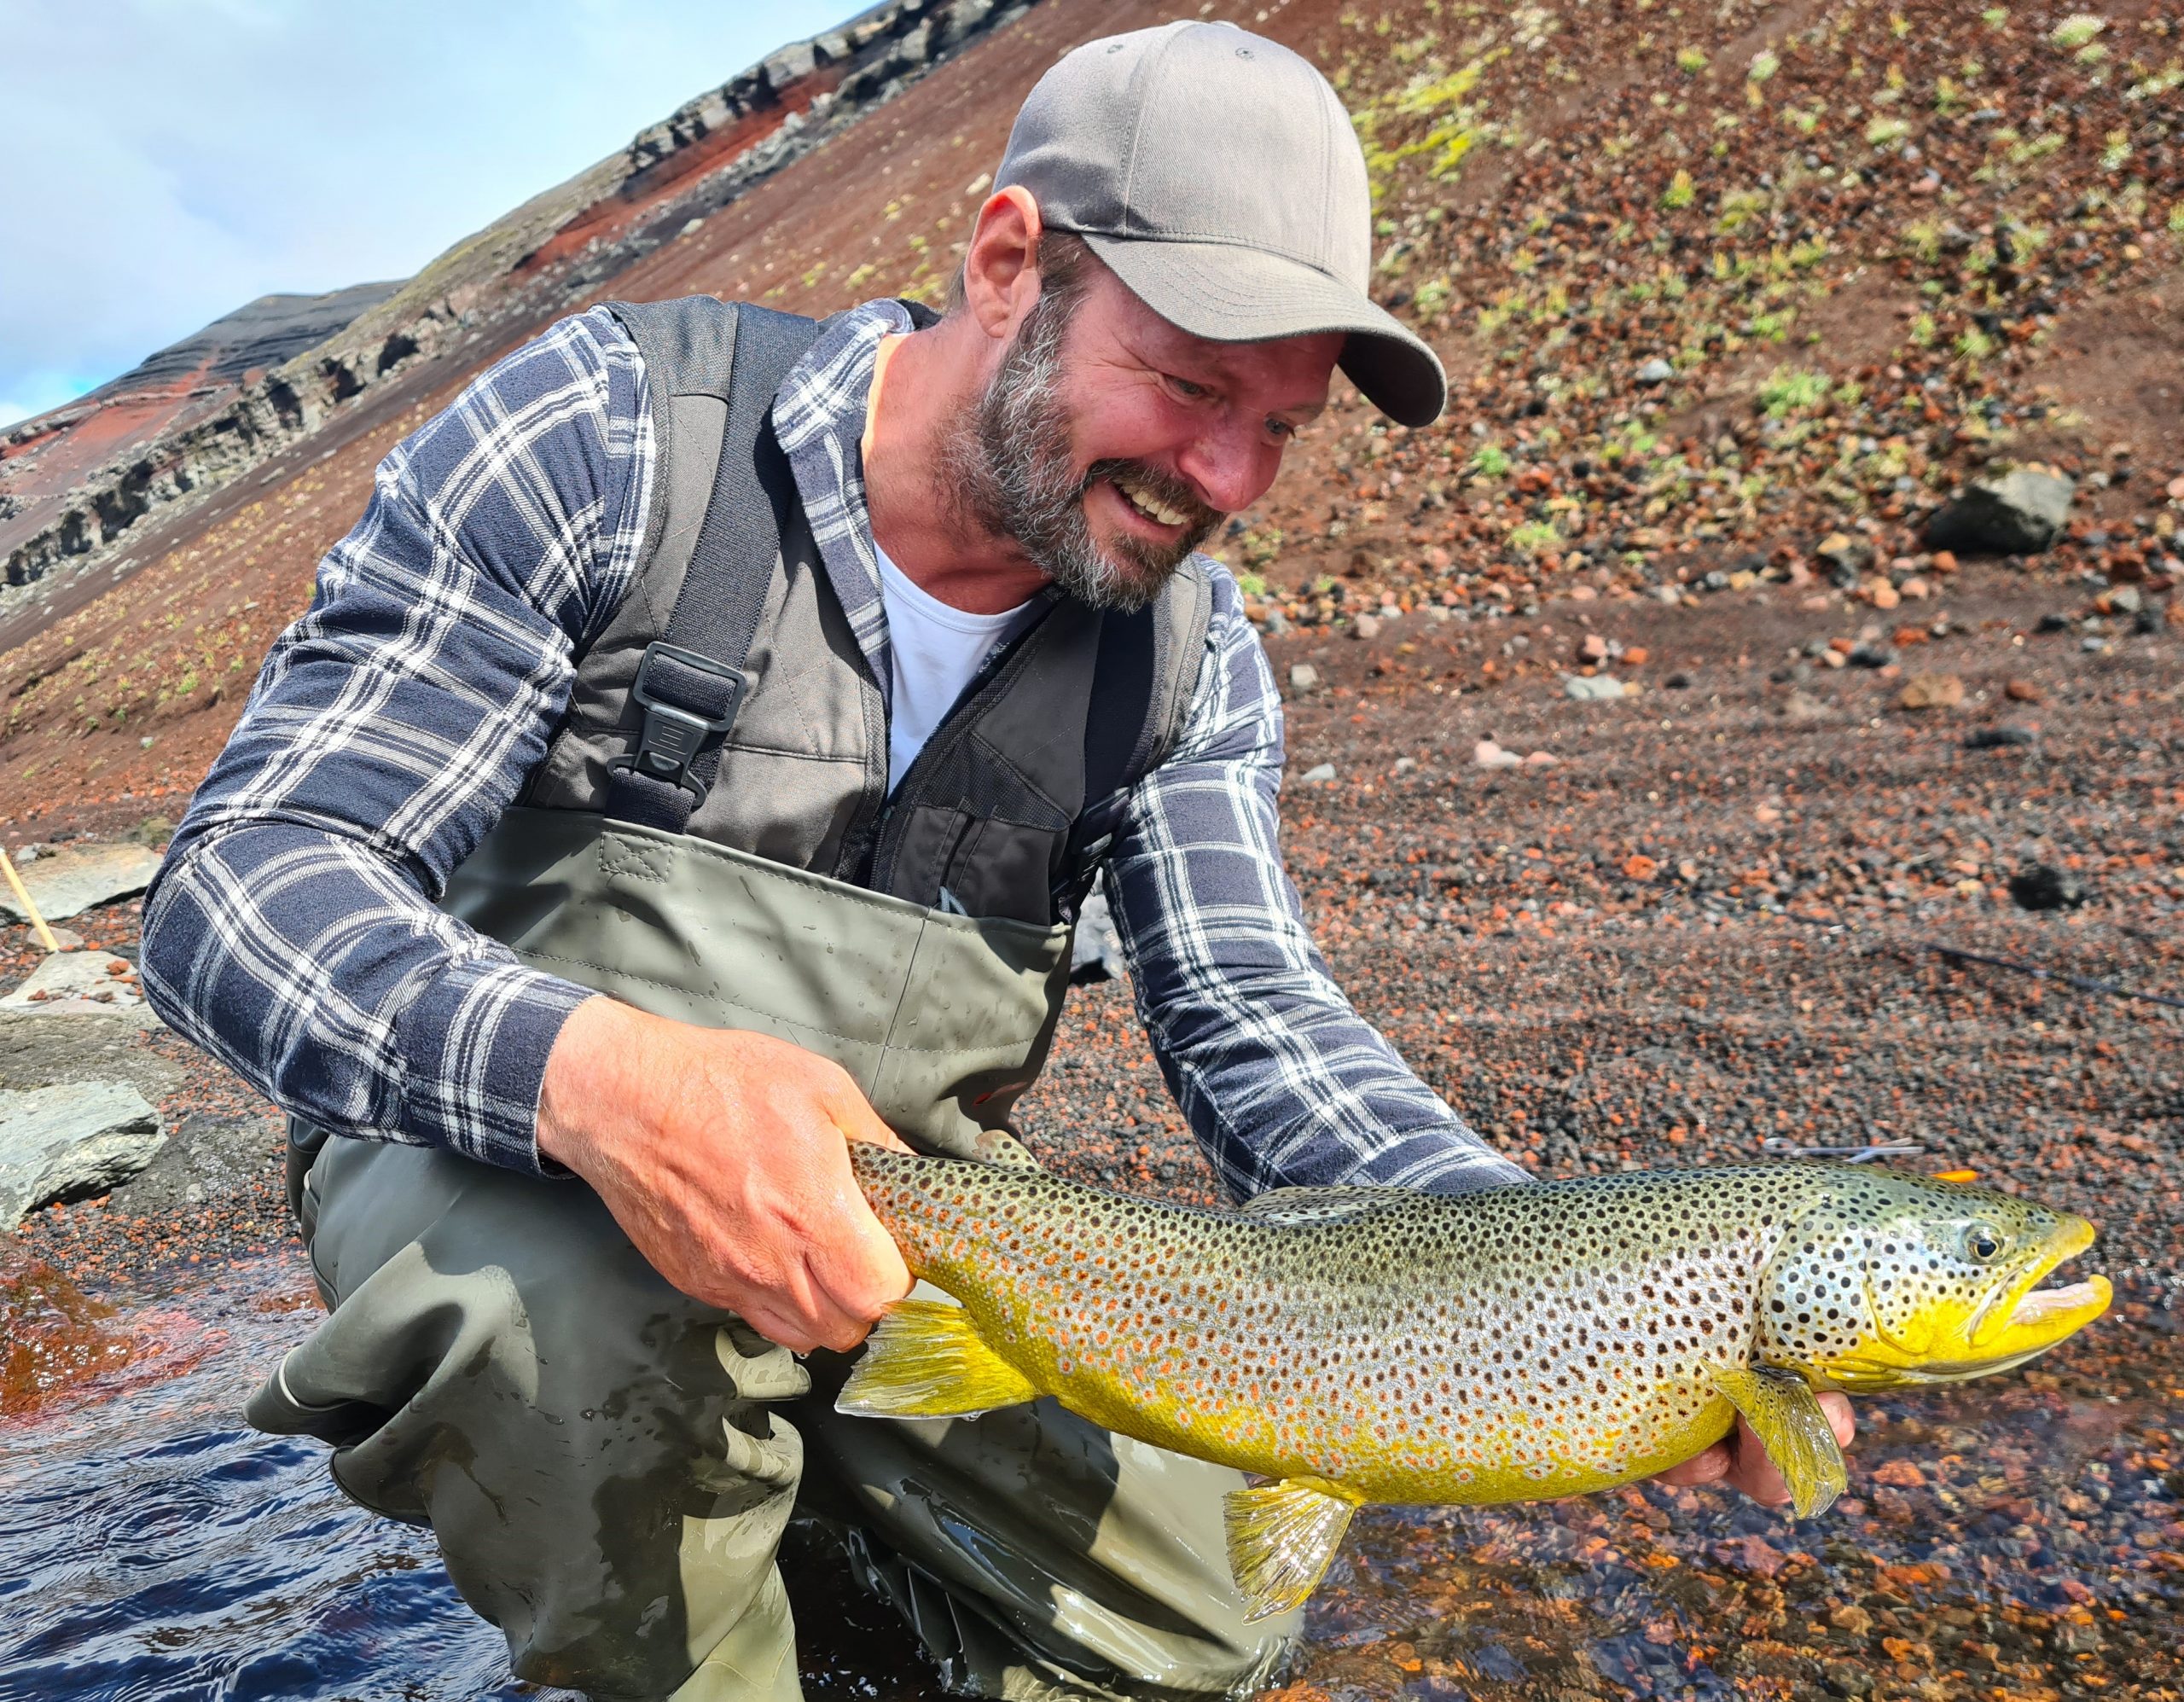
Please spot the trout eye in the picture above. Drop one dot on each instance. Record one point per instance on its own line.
(1983, 1243)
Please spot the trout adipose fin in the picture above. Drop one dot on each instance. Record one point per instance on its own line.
(1281, 1536)
(1782, 1408)
(926, 1359)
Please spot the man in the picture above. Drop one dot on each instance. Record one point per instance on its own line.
(760, 700)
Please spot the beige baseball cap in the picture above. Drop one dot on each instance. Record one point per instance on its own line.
(1217, 173)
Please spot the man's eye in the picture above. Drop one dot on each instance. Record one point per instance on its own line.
(1283, 429)
(1184, 387)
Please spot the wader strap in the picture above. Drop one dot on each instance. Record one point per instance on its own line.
(1141, 693)
(691, 681)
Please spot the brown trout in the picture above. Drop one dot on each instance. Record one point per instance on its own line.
(1377, 1345)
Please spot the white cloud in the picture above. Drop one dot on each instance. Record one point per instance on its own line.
(196, 153)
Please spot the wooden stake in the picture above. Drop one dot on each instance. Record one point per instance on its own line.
(23, 898)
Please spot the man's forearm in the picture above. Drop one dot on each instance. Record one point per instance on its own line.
(1283, 1082)
(323, 977)
(598, 1091)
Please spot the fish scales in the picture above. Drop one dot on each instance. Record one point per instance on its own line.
(1379, 1345)
(1547, 1340)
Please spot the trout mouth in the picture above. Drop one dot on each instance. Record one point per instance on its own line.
(2021, 1318)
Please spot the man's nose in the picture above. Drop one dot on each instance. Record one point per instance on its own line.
(1232, 465)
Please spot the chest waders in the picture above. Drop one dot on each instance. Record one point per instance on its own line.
(608, 1466)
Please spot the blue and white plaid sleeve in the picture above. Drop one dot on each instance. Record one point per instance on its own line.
(1283, 1082)
(292, 931)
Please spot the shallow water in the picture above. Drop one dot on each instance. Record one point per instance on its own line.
(152, 1547)
(2021, 1537)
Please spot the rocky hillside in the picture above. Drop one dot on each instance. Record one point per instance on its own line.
(1732, 294)
(75, 483)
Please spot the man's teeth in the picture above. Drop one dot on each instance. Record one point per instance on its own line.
(1149, 505)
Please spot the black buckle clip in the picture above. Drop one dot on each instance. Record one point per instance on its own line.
(674, 737)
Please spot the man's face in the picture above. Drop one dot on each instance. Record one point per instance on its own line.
(1109, 443)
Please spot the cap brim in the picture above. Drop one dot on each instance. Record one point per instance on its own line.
(1228, 293)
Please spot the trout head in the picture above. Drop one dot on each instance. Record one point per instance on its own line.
(1891, 1279)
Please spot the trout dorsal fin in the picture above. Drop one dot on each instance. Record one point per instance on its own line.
(1782, 1408)
(1281, 1536)
(1293, 1207)
(927, 1359)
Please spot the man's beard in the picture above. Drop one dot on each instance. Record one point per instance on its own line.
(1008, 458)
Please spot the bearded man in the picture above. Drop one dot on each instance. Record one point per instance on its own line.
(693, 761)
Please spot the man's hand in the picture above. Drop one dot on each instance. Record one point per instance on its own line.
(1740, 1459)
(724, 1157)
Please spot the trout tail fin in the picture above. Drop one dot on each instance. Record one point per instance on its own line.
(927, 1360)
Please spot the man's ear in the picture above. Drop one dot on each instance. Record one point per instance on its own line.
(1000, 278)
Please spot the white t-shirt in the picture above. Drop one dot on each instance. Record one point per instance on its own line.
(937, 648)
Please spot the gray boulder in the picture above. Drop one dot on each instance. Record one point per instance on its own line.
(2016, 514)
(64, 880)
(78, 983)
(71, 1142)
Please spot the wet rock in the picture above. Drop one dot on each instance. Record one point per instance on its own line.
(1999, 738)
(1655, 371)
(2043, 888)
(64, 880)
(77, 984)
(71, 1142)
(1367, 626)
(1487, 754)
(1320, 775)
(1304, 677)
(1931, 691)
(1596, 688)
(1802, 709)
(2022, 691)
(1096, 953)
(2016, 514)
(37, 1049)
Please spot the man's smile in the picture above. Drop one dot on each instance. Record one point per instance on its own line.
(1138, 511)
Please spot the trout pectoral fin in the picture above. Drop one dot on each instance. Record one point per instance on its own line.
(926, 1360)
(1781, 1407)
(1281, 1536)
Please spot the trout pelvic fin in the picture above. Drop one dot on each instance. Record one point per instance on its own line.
(1782, 1408)
(1281, 1536)
(927, 1359)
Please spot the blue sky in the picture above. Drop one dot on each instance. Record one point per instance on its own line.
(171, 159)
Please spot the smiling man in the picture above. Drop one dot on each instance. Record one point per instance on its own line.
(759, 701)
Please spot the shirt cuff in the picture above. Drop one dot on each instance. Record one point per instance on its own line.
(473, 1048)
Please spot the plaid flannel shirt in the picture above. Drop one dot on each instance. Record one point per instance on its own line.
(292, 932)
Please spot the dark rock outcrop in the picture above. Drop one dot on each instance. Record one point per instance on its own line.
(2016, 514)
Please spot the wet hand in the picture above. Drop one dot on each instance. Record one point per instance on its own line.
(1740, 1459)
(724, 1157)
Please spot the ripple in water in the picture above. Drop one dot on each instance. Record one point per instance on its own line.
(152, 1547)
